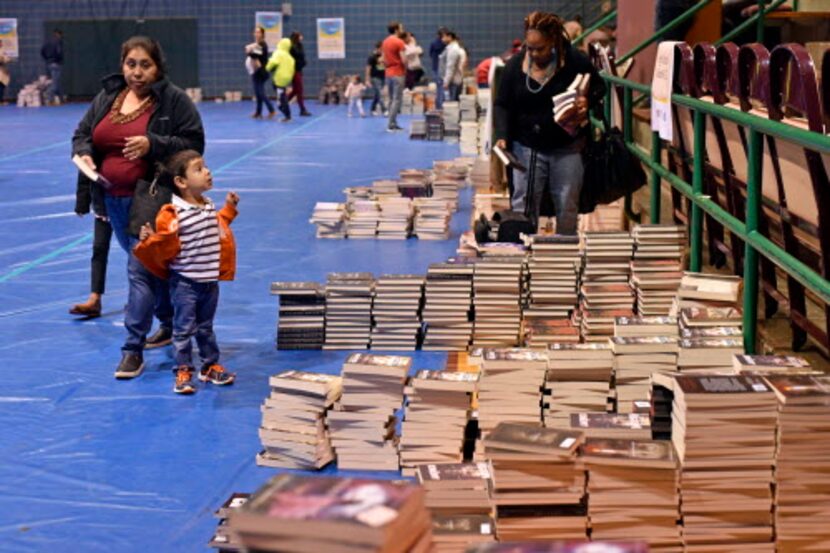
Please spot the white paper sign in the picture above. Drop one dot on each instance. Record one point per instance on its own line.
(661, 89)
(9, 45)
(331, 38)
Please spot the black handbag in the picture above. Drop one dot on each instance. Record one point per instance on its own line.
(611, 171)
(147, 201)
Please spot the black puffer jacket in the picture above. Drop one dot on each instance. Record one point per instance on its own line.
(175, 125)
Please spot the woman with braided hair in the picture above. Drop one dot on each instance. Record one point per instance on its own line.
(524, 122)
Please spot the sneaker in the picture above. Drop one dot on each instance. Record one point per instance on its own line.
(162, 337)
(131, 365)
(216, 374)
(184, 381)
(394, 128)
(305, 114)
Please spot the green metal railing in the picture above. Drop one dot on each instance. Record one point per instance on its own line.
(757, 19)
(679, 20)
(755, 243)
(596, 25)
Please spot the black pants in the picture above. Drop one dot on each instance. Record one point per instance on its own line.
(2, 91)
(261, 96)
(100, 253)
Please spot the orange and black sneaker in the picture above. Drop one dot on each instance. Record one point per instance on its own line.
(216, 374)
(184, 381)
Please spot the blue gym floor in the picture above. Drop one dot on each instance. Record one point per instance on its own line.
(94, 464)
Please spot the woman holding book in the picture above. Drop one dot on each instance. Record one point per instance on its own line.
(548, 148)
(137, 120)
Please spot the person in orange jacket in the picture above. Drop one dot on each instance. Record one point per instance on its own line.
(192, 246)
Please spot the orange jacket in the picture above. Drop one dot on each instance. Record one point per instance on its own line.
(159, 250)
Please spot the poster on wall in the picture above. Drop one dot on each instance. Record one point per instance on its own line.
(331, 38)
(272, 23)
(9, 46)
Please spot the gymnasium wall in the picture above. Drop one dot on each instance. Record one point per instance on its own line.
(224, 26)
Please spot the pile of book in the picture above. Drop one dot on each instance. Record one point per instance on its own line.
(656, 269)
(348, 310)
(330, 219)
(447, 180)
(293, 431)
(497, 294)
(451, 115)
(418, 129)
(633, 488)
(293, 513)
(458, 497)
(564, 104)
(302, 315)
(432, 219)
(642, 345)
(396, 215)
(510, 387)
(577, 380)
(396, 312)
(438, 408)
(467, 104)
(771, 365)
(363, 217)
(469, 137)
(223, 539)
(540, 333)
(362, 426)
(447, 305)
(385, 188)
(435, 125)
(538, 484)
(724, 431)
(708, 290)
(710, 336)
(802, 471)
(554, 267)
(606, 292)
(356, 193)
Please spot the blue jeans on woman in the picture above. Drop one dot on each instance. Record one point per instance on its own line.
(559, 171)
(195, 306)
(261, 96)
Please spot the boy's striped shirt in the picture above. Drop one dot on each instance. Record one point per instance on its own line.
(198, 257)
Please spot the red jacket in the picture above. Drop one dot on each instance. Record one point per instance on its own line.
(159, 250)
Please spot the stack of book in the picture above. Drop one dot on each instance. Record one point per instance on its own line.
(771, 364)
(618, 426)
(385, 188)
(418, 129)
(606, 291)
(438, 408)
(302, 315)
(540, 333)
(414, 186)
(435, 125)
(497, 294)
(538, 484)
(358, 193)
(577, 380)
(707, 290)
(432, 219)
(802, 470)
(656, 269)
(330, 219)
(635, 359)
(363, 217)
(396, 214)
(349, 310)
(469, 137)
(396, 312)
(448, 298)
(445, 187)
(724, 434)
(293, 513)
(554, 266)
(710, 336)
(633, 488)
(459, 533)
(456, 488)
(223, 539)
(564, 104)
(451, 115)
(467, 104)
(362, 426)
(293, 431)
(510, 387)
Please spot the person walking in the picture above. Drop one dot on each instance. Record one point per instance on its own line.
(436, 48)
(257, 58)
(412, 58)
(282, 66)
(52, 54)
(376, 75)
(354, 93)
(392, 49)
(298, 53)
(453, 78)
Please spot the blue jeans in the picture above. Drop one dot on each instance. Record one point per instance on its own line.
(454, 91)
(118, 211)
(194, 306)
(54, 70)
(395, 85)
(377, 98)
(261, 96)
(439, 93)
(147, 294)
(560, 172)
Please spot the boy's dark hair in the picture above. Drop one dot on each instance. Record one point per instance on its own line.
(149, 45)
(393, 27)
(176, 166)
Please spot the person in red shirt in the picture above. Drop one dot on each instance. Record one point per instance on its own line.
(392, 49)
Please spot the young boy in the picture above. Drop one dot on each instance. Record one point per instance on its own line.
(194, 248)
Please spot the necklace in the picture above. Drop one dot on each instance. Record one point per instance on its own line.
(548, 74)
(121, 118)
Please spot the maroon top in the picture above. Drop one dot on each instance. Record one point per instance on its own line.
(109, 139)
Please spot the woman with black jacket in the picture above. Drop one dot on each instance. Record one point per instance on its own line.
(257, 53)
(136, 121)
(523, 117)
(298, 53)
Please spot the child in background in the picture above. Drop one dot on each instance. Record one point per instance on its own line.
(194, 248)
(354, 92)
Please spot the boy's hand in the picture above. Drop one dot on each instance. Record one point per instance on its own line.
(232, 198)
(145, 232)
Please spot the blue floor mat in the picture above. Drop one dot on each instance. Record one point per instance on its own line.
(93, 464)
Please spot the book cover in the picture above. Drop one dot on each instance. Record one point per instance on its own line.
(634, 450)
(721, 384)
(622, 421)
(454, 472)
(779, 361)
(447, 376)
(507, 435)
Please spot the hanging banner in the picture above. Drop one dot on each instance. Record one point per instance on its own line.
(272, 23)
(661, 89)
(331, 39)
(9, 46)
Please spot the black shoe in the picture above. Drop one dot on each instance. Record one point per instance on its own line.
(162, 337)
(131, 365)
(305, 114)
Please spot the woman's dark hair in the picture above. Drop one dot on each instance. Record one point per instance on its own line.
(552, 28)
(175, 166)
(261, 29)
(295, 37)
(393, 27)
(149, 45)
